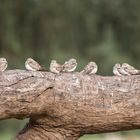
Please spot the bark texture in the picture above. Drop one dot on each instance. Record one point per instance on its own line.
(69, 105)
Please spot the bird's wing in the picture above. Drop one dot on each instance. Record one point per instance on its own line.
(86, 69)
(3, 66)
(66, 65)
(132, 70)
(59, 67)
(35, 65)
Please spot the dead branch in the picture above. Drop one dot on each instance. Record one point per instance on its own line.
(69, 105)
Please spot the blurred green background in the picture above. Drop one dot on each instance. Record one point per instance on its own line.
(104, 31)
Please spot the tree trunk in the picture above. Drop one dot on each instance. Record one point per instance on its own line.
(69, 105)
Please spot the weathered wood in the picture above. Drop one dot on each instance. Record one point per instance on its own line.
(69, 105)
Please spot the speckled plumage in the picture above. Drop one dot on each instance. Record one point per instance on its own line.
(130, 69)
(90, 68)
(3, 64)
(32, 65)
(69, 66)
(55, 67)
(116, 70)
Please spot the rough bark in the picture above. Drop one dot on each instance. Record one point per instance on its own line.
(69, 105)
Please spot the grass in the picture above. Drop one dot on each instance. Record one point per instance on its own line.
(7, 136)
(91, 137)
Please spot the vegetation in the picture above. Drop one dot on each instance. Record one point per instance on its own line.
(104, 31)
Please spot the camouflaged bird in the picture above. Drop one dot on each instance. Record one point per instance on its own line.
(3, 64)
(130, 69)
(69, 66)
(32, 65)
(119, 70)
(90, 68)
(116, 70)
(55, 67)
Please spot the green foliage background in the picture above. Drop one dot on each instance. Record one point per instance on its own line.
(104, 31)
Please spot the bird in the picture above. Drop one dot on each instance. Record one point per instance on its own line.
(3, 64)
(90, 68)
(69, 66)
(55, 67)
(130, 69)
(119, 70)
(32, 65)
(116, 69)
